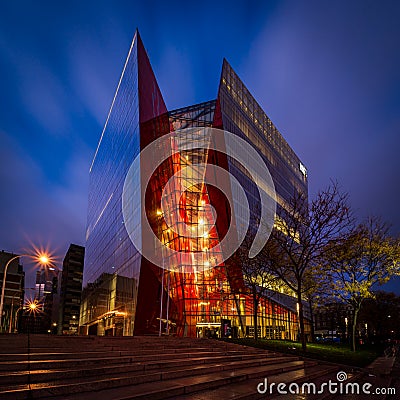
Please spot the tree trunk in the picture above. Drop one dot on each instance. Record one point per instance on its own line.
(301, 321)
(353, 339)
(312, 320)
(237, 302)
(255, 314)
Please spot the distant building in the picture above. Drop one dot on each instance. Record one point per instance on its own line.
(44, 283)
(46, 296)
(113, 296)
(71, 290)
(333, 319)
(14, 292)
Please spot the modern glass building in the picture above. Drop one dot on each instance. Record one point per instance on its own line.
(124, 293)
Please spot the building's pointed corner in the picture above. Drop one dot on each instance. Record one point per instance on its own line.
(225, 70)
(151, 101)
(137, 36)
(226, 64)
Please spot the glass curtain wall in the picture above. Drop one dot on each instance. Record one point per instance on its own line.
(112, 264)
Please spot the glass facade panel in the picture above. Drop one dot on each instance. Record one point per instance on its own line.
(112, 265)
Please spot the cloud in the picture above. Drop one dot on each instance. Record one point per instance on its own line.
(40, 93)
(320, 77)
(93, 72)
(44, 98)
(33, 210)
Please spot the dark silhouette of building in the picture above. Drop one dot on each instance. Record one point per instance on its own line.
(198, 302)
(333, 319)
(14, 292)
(71, 290)
(46, 297)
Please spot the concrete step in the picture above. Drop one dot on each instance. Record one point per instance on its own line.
(139, 367)
(96, 361)
(22, 349)
(102, 353)
(151, 386)
(169, 368)
(247, 390)
(70, 344)
(326, 395)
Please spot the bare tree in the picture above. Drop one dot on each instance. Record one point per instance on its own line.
(364, 258)
(302, 232)
(257, 276)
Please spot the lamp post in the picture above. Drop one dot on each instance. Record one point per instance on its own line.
(32, 308)
(11, 313)
(15, 321)
(41, 258)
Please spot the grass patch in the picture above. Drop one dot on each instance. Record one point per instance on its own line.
(337, 353)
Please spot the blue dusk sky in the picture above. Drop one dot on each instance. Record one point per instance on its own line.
(326, 72)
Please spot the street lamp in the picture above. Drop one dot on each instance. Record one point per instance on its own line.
(44, 259)
(33, 308)
(14, 321)
(11, 312)
(41, 258)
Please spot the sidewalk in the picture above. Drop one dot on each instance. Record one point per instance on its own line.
(382, 366)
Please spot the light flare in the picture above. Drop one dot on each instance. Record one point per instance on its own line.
(44, 258)
(33, 307)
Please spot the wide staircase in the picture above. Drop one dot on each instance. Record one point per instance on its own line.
(97, 368)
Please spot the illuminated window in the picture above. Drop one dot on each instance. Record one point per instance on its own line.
(303, 170)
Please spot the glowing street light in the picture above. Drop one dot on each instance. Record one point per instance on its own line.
(40, 257)
(33, 307)
(44, 259)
